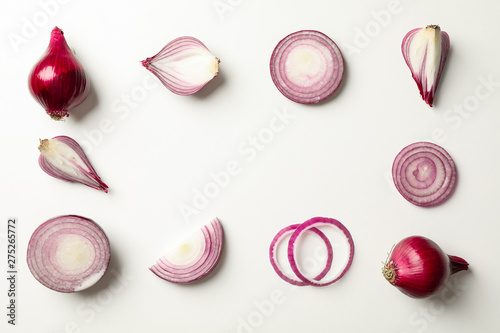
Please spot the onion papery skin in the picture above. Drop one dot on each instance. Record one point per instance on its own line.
(68, 253)
(424, 173)
(201, 263)
(63, 158)
(58, 81)
(184, 65)
(419, 268)
(425, 51)
(307, 67)
(278, 239)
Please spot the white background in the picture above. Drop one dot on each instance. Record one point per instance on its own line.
(332, 159)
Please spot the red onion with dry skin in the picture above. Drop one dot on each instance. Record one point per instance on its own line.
(419, 268)
(58, 81)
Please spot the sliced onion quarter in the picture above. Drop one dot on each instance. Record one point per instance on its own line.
(193, 258)
(68, 253)
(424, 173)
(325, 267)
(307, 67)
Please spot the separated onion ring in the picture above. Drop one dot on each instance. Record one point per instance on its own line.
(326, 277)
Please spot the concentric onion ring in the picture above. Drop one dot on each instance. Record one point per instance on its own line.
(68, 253)
(424, 173)
(307, 66)
(326, 277)
(288, 231)
(194, 258)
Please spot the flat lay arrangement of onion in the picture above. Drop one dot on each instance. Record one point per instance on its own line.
(71, 253)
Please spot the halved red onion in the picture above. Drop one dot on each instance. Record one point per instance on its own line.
(424, 173)
(194, 258)
(280, 238)
(307, 66)
(68, 253)
(184, 66)
(333, 270)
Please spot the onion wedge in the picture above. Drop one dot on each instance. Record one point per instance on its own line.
(68, 253)
(425, 51)
(307, 67)
(63, 158)
(193, 258)
(424, 173)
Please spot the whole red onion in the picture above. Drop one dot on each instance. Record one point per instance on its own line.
(58, 81)
(419, 268)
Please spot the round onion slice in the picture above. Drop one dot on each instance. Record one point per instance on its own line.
(307, 66)
(194, 258)
(293, 248)
(280, 237)
(68, 253)
(424, 173)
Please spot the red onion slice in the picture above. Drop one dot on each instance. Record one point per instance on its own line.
(307, 66)
(184, 66)
(344, 260)
(68, 253)
(424, 173)
(194, 258)
(273, 253)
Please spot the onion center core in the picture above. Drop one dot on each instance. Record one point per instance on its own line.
(74, 254)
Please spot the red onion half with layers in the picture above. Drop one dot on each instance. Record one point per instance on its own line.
(184, 66)
(419, 268)
(68, 253)
(58, 81)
